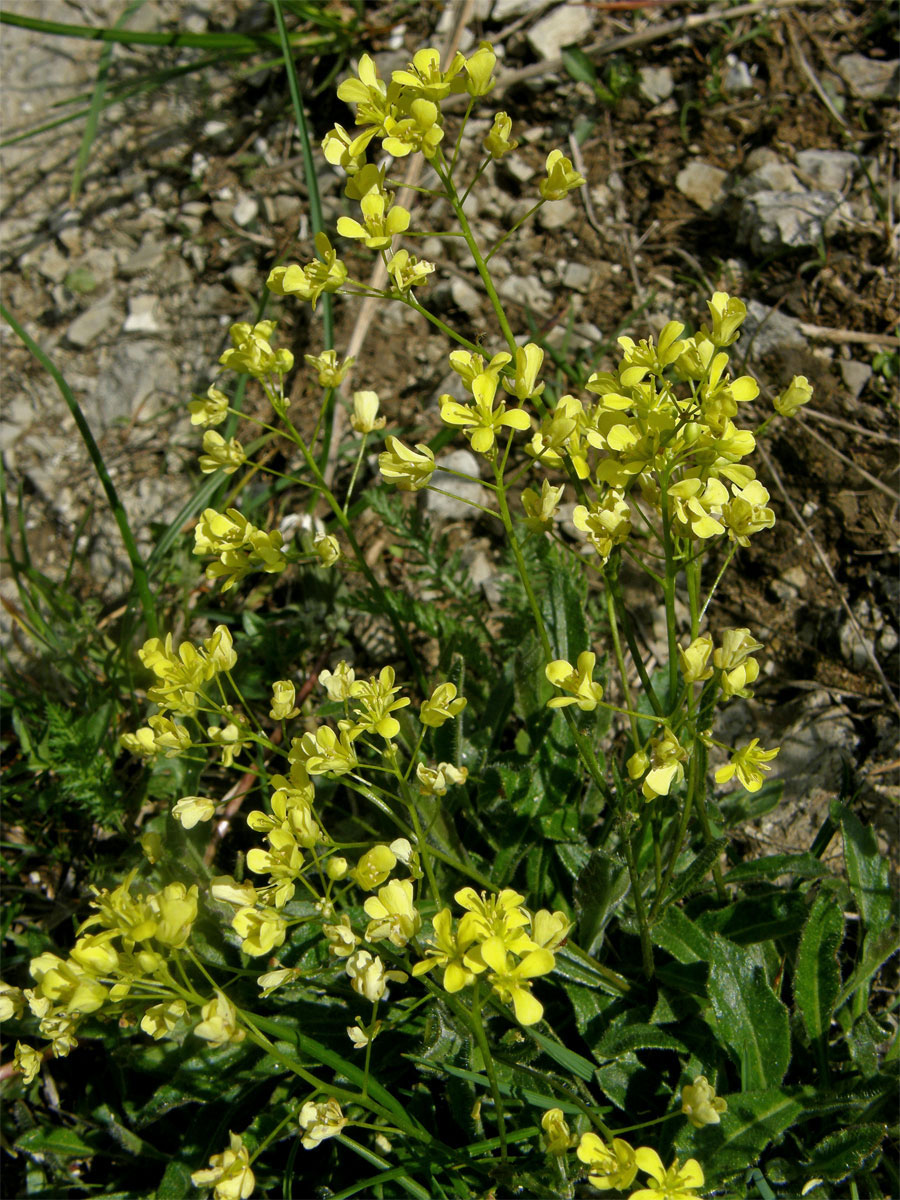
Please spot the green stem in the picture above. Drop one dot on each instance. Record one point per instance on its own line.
(640, 911)
(481, 1038)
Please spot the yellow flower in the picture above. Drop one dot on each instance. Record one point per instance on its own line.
(219, 1024)
(192, 809)
(418, 128)
(232, 737)
(748, 764)
(747, 513)
(219, 453)
(320, 1121)
(176, 910)
(606, 523)
(284, 696)
(374, 867)
(407, 271)
(251, 354)
(732, 658)
(446, 950)
(693, 503)
(260, 930)
(160, 1019)
(365, 407)
(577, 681)
(728, 314)
(160, 736)
(561, 177)
(376, 697)
(498, 141)
(209, 410)
(339, 682)
(228, 891)
(342, 941)
(611, 1166)
(674, 1183)
(499, 916)
(443, 705)
(341, 149)
(549, 929)
(327, 751)
(12, 1001)
(541, 509)
(368, 976)
(380, 223)
(327, 548)
(270, 981)
(324, 274)
(482, 419)
(524, 385)
(480, 70)
(557, 1134)
(700, 1104)
(792, 399)
(409, 470)
(228, 1173)
(434, 781)
(424, 74)
(666, 762)
(329, 372)
(27, 1061)
(393, 913)
(694, 660)
(509, 980)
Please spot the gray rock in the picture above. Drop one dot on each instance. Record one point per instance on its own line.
(656, 83)
(148, 255)
(737, 77)
(812, 748)
(517, 168)
(828, 170)
(702, 183)
(51, 264)
(767, 330)
(870, 78)
(502, 10)
(557, 215)
(772, 176)
(769, 220)
(245, 211)
(562, 26)
(138, 370)
(526, 290)
(245, 276)
(99, 318)
(141, 315)
(577, 277)
(855, 375)
(448, 508)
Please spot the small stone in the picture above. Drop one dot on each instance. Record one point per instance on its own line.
(245, 276)
(502, 10)
(52, 265)
(656, 83)
(563, 26)
(772, 219)
(448, 508)
(737, 77)
(287, 207)
(796, 578)
(86, 328)
(557, 214)
(577, 277)
(702, 183)
(526, 290)
(245, 211)
(516, 166)
(464, 296)
(215, 128)
(766, 329)
(855, 375)
(870, 78)
(148, 255)
(828, 170)
(770, 177)
(141, 315)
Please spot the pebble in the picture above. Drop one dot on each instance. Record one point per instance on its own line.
(702, 183)
(449, 508)
(245, 211)
(737, 78)
(564, 25)
(141, 315)
(870, 78)
(557, 215)
(770, 330)
(148, 255)
(855, 375)
(526, 290)
(86, 328)
(769, 220)
(829, 170)
(516, 166)
(577, 277)
(656, 83)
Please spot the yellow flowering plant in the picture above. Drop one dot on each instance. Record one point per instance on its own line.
(499, 855)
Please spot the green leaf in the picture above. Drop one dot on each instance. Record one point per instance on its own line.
(752, 1023)
(817, 973)
(691, 877)
(842, 1153)
(877, 950)
(620, 1039)
(741, 806)
(804, 866)
(867, 872)
(599, 889)
(759, 919)
(579, 66)
(863, 1041)
(588, 1004)
(574, 1063)
(176, 1182)
(754, 1121)
(65, 1143)
(677, 934)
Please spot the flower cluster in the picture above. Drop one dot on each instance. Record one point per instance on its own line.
(239, 546)
(615, 1165)
(498, 938)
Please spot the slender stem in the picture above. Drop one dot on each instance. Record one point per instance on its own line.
(510, 232)
(620, 663)
(640, 911)
(481, 1038)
